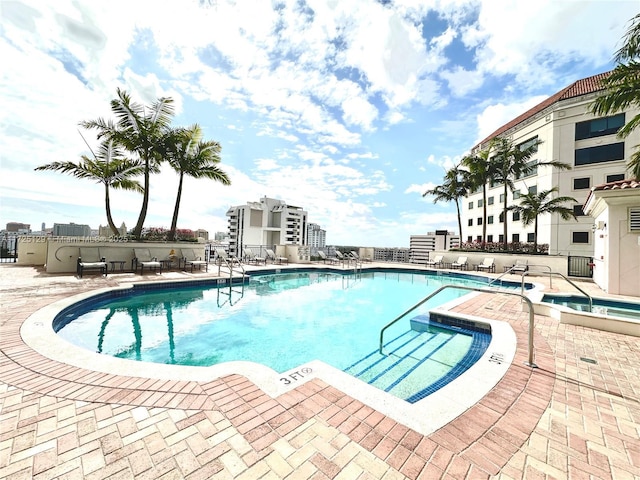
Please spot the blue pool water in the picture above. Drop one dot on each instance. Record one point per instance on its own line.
(601, 306)
(283, 321)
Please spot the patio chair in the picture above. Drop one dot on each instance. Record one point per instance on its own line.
(251, 257)
(355, 255)
(325, 259)
(487, 264)
(224, 257)
(436, 262)
(340, 256)
(275, 259)
(520, 266)
(142, 257)
(190, 257)
(90, 259)
(460, 263)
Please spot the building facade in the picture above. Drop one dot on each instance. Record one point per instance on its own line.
(268, 222)
(569, 134)
(421, 245)
(71, 230)
(316, 238)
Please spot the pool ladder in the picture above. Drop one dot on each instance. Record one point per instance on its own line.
(529, 362)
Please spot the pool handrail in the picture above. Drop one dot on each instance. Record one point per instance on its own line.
(569, 281)
(529, 362)
(229, 265)
(516, 267)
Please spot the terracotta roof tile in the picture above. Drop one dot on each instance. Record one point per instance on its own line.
(619, 185)
(581, 87)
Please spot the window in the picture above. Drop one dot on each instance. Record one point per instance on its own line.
(599, 127)
(533, 190)
(581, 183)
(479, 221)
(516, 216)
(470, 205)
(502, 198)
(501, 217)
(531, 237)
(490, 200)
(532, 142)
(615, 178)
(531, 169)
(490, 219)
(580, 237)
(469, 239)
(470, 222)
(577, 211)
(480, 203)
(516, 194)
(600, 154)
(489, 238)
(479, 238)
(501, 238)
(515, 237)
(634, 219)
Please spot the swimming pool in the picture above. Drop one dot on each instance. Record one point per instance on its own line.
(276, 320)
(601, 306)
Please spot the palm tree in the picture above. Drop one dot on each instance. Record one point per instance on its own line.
(108, 167)
(479, 174)
(452, 189)
(189, 155)
(622, 88)
(140, 130)
(534, 204)
(512, 162)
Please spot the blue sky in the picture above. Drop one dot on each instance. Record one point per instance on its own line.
(349, 109)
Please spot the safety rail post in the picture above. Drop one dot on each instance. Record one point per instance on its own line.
(569, 281)
(529, 362)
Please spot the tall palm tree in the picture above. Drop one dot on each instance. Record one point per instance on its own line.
(140, 130)
(533, 205)
(511, 162)
(189, 155)
(480, 172)
(622, 88)
(452, 189)
(108, 167)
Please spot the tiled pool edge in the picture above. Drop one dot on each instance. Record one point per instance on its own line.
(446, 404)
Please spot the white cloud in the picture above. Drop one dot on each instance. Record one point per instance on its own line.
(494, 116)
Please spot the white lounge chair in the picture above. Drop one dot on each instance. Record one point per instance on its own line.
(90, 259)
(190, 257)
(461, 263)
(436, 262)
(251, 257)
(275, 259)
(326, 259)
(520, 266)
(487, 264)
(142, 257)
(224, 257)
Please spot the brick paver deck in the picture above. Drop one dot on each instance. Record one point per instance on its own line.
(566, 419)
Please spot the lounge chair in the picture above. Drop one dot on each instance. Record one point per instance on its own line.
(436, 262)
(190, 257)
(325, 259)
(142, 257)
(461, 263)
(355, 255)
(487, 264)
(340, 256)
(224, 257)
(90, 259)
(251, 257)
(275, 259)
(520, 266)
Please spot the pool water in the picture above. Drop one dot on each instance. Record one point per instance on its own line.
(283, 321)
(600, 306)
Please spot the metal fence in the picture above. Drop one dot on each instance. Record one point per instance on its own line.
(9, 249)
(580, 267)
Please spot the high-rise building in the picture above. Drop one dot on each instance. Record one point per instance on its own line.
(421, 245)
(316, 238)
(569, 134)
(107, 232)
(71, 230)
(18, 227)
(267, 222)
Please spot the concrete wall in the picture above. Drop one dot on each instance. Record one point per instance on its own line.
(32, 250)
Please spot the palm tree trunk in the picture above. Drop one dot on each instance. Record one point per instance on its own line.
(107, 203)
(137, 231)
(504, 215)
(174, 220)
(535, 235)
(484, 216)
(459, 222)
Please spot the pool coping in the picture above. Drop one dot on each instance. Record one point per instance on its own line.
(444, 405)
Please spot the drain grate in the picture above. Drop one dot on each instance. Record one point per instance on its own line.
(588, 360)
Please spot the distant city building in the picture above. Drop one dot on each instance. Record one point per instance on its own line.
(421, 245)
(391, 255)
(16, 227)
(201, 233)
(107, 232)
(71, 230)
(221, 237)
(316, 238)
(268, 222)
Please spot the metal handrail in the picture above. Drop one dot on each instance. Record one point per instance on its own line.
(529, 362)
(558, 273)
(230, 267)
(519, 266)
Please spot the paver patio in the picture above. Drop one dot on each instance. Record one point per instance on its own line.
(566, 419)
